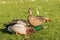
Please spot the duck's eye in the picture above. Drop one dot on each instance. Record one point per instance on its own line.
(45, 20)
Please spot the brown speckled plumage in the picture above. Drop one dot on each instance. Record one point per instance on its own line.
(35, 20)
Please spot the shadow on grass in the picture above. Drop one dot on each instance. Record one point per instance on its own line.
(5, 31)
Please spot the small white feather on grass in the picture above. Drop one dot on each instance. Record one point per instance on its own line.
(45, 12)
(38, 8)
(37, 12)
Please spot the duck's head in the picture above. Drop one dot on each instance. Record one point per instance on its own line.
(46, 20)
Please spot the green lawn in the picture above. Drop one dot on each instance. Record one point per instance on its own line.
(19, 10)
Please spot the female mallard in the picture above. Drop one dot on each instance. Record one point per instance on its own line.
(36, 20)
(20, 27)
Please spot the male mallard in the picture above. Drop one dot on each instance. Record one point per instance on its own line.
(20, 27)
(36, 20)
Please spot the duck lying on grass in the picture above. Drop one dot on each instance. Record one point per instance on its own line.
(22, 27)
(19, 27)
(36, 20)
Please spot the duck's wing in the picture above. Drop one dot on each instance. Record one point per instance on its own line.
(13, 22)
(39, 17)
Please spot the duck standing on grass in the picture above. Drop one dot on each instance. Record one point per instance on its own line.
(36, 21)
(20, 27)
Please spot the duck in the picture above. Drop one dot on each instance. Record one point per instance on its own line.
(36, 20)
(20, 27)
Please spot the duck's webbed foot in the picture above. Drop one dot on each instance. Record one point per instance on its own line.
(27, 36)
(17, 33)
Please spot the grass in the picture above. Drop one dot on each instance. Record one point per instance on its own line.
(12, 10)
